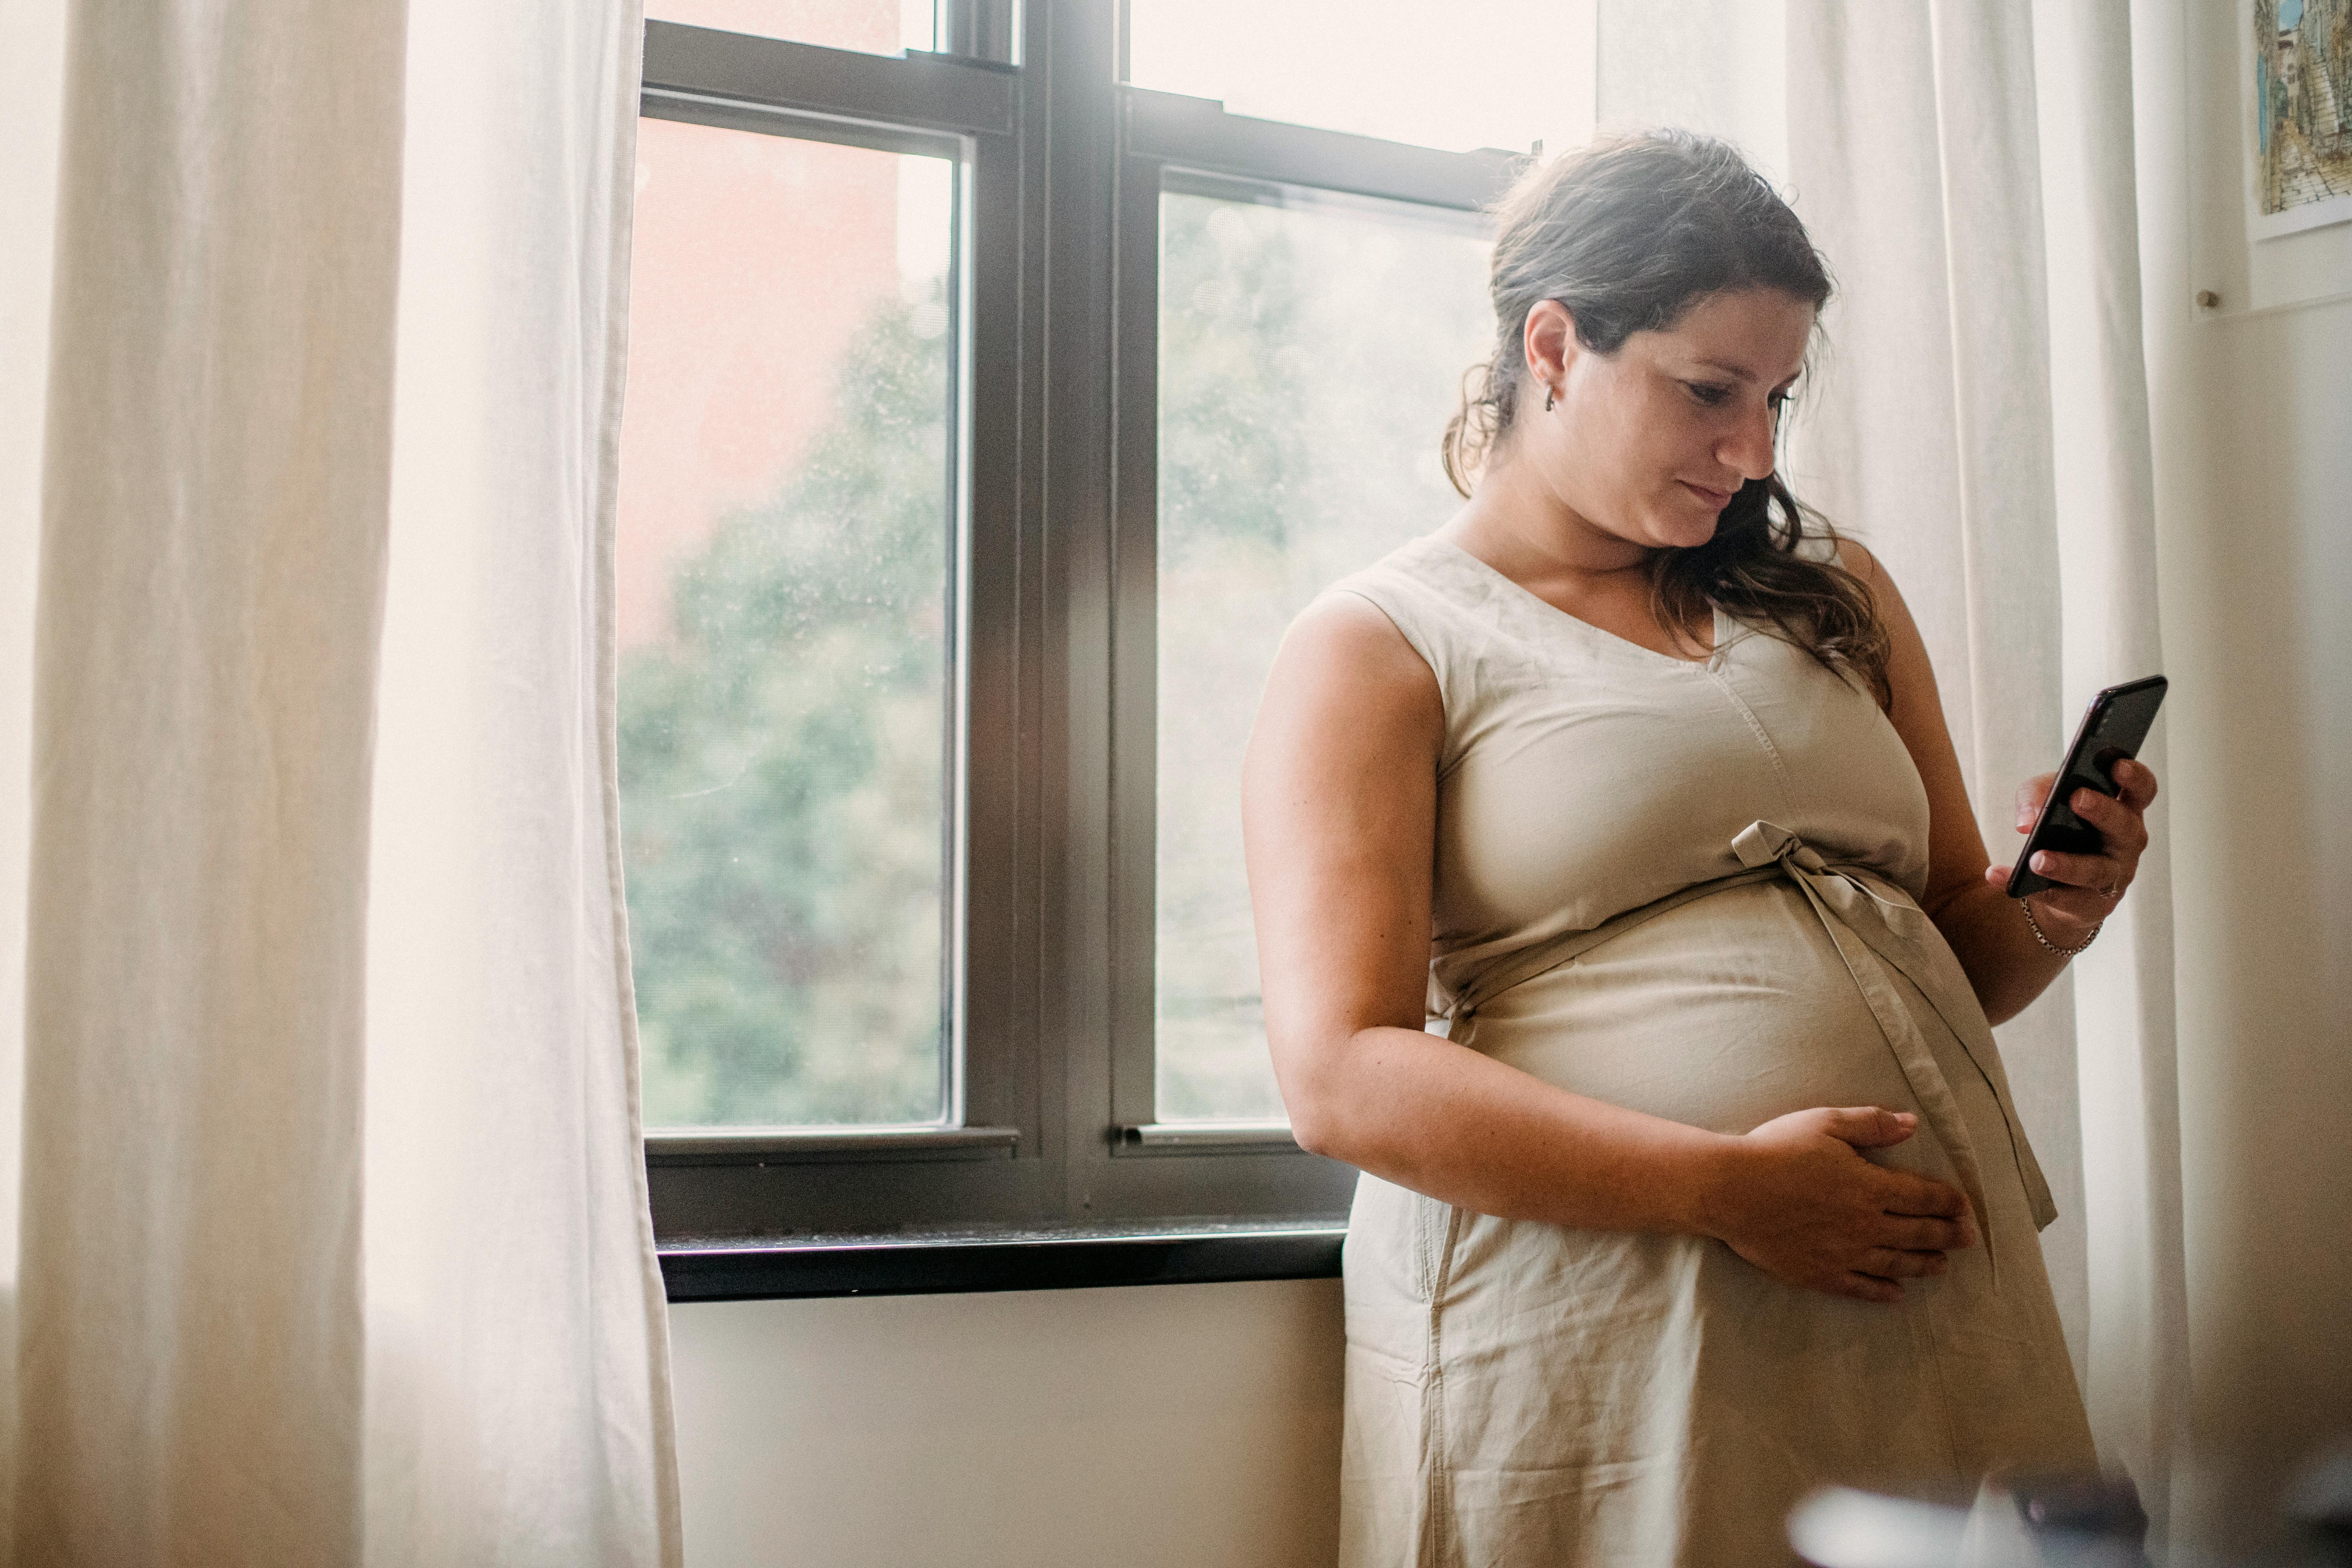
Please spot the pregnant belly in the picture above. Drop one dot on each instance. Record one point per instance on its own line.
(1723, 1014)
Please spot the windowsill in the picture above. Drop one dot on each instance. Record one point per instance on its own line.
(805, 1145)
(1007, 1258)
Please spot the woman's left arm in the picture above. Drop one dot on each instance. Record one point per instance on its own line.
(1968, 896)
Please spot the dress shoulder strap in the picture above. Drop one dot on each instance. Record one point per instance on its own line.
(1412, 586)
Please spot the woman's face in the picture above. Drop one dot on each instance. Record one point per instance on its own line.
(1648, 444)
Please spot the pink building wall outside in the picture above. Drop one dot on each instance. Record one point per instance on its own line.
(756, 258)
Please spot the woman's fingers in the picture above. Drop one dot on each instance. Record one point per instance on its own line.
(1867, 1126)
(1868, 1287)
(2119, 822)
(2137, 783)
(1896, 1263)
(1912, 1195)
(2087, 886)
(1905, 1233)
(2030, 796)
(1809, 1210)
(2099, 874)
(2121, 819)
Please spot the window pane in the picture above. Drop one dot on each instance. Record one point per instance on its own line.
(785, 542)
(1310, 356)
(1471, 73)
(873, 27)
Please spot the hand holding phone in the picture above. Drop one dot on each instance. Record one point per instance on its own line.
(2113, 729)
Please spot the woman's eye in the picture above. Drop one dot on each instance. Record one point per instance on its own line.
(1706, 394)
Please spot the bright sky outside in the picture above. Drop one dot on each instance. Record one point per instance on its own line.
(1464, 74)
(924, 211)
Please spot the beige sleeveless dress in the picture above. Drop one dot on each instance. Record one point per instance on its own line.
(1689, 889)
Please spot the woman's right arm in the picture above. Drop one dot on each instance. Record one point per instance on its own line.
(1339, 810)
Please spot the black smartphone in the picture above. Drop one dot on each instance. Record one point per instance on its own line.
(2113, 727)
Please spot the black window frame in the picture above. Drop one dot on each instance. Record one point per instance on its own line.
(1059, 1172)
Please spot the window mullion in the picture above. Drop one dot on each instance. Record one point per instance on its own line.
(1071, 59)
(930, 91)
(1008, 1067)
(1135, 617)
(980, 30)
(1197, 134)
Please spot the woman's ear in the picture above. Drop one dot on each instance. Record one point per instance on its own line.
(1549, 343)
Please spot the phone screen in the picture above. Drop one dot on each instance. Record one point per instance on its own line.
(2113, 729)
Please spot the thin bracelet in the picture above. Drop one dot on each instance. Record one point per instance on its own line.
(2035, 927)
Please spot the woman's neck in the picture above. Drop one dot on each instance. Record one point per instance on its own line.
(1529, 535)
(1522, 529)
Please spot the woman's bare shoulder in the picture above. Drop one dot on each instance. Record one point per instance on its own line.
(1345, 671)
(1346, 638)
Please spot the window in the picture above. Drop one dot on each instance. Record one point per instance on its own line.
(1294, 445)
(786, 630)
(991, 413)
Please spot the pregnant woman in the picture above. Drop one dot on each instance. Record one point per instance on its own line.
(1623, 917)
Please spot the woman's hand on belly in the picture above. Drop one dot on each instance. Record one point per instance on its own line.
(1793, 1198)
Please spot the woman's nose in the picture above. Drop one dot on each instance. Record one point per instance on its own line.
(1749, 447)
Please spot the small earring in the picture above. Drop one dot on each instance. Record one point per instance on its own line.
(1548, 399)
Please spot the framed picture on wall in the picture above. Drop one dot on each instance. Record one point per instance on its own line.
(2299, 88)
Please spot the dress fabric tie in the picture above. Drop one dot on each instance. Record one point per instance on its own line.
(1873, 933)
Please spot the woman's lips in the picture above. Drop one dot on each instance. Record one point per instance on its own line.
(1716, 499)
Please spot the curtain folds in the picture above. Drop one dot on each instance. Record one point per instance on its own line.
(517, 1376)
(218, 457)
(2136, 1374)
(334, 1237)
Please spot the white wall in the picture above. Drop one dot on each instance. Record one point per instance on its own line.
(1152, 1427)
(2254, 421)
(2258, 642)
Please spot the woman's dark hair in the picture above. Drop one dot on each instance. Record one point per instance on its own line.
(1628, 233)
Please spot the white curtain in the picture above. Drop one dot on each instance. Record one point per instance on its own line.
(334, 1243)
(1979, 415)
(2137, 1371)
